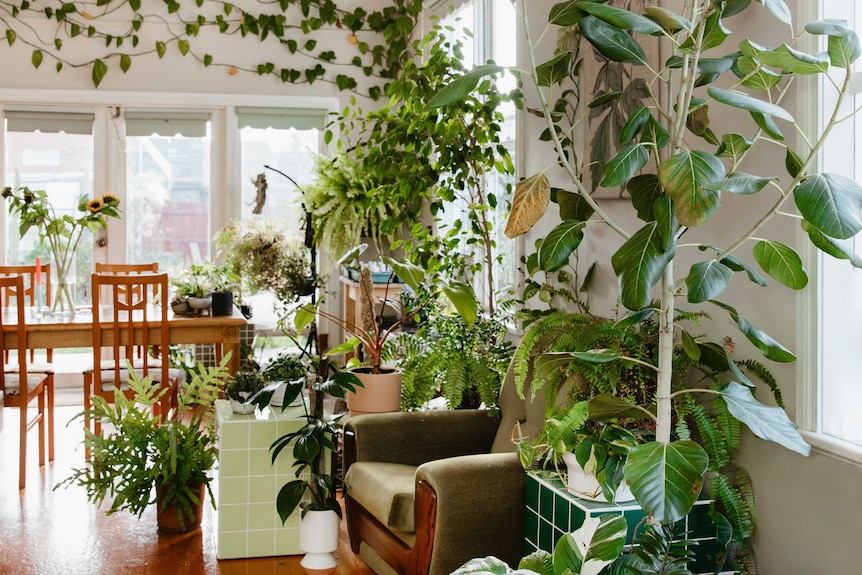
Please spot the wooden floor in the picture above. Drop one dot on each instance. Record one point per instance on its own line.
(47, 532)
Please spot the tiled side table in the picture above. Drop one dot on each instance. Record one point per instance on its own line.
(553, 511)
(248, 483)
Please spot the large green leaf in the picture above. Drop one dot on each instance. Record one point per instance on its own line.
(639, 265)
(683, 176)
(669, 21)
(757, 77)
(596, 543)
(781, 262)
(531, 199)
(666, 478)
(748, 103)
(843, 43)
(462, 297)
(740, 183)
(625, 164)
(559, 244)
(733, 146)
(834, 248)
(573, 206)
(793, 61)
(606, 406)
(460, 87)
(770, 348)
(832, 204)
(768, 125)
(779, 9)
(767, 422)
(613, 43)
(644, 190)
(554, 70)
(409, 273)
(483, 566)
(620, 18)
(566, 13)
(738, 265)
(707, 280)
(662, 209)
(634, 125)
(289, 497)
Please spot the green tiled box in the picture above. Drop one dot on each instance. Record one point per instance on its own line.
(552, 511)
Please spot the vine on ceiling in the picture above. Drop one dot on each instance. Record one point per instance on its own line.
(116, 28)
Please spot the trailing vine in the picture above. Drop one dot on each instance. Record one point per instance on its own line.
(116, 28)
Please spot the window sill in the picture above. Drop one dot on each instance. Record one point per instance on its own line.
(834, 447)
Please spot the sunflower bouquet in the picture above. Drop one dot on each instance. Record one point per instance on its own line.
(62, 232)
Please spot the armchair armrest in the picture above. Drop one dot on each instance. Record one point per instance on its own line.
(480, 508)
(415, 437)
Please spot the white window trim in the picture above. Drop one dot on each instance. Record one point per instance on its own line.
(225, 175)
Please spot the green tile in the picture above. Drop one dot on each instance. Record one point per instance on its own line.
(576, 517)
(532, 493)
(233, 463)
(546, 502)
(233, 436)
(261, 543)
(262, 434)
(261, 489)
(700, 523)
(233, 517)
(232, 545)
(531, 527)
(260, 462)
(546, 536)
(561, 513)
(262, 516)
(233, 490)
(287, 541)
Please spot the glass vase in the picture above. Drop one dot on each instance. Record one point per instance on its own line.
(63, 280)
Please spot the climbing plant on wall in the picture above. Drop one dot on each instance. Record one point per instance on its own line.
(114, 33)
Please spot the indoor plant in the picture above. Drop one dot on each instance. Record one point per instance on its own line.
(240, 387)
(62, 232)
(681, 194)
(283, 368)
(309, 444)
(149, 459)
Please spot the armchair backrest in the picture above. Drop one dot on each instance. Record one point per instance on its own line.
(528, 413)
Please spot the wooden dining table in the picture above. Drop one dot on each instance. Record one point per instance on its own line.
(49, 331)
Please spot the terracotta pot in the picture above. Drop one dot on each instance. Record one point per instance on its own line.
(381, 394)
(318, 538)
(168, 519)
(586, 486)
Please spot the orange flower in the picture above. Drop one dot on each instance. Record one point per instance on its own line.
(95, 205)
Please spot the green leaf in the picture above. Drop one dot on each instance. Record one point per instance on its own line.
(639, 265)
(666, 478)
(738, 265)
(843, 43)
(634, 125)
(769, 423)
(733, 146)
(11, 36)
(611, 42)
(714, 33)
(36, 58)
(779, 9)
(834, 248)
(462, 297)
(483, 566)
(758, 77)
(683, 176)
(606, 406)
(793, 61)
(99, 71)
(644, 189)
(460, 88)
(670, 21)
(596, 543)
(625, 164)
(832, 204)
(619, 18)
(767, 124)
(304, 316)
(690, 346)
(740, 183)
(635, 318)
(346, 347)
(161, 47)
(573, 206)
(289, 497)
(183, 47)
(409, 273)
(770, 348)
(793, 163)
(781, 262)
(748, 103)
(125, 62)
(707, 280)
(566, 13)
(554, 71)
(662, 209)
(605, 98)
(559, 244)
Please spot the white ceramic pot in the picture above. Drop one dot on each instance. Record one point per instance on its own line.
(381, 392)
(277, 399)
(200, 302)
(241, 408)
(586, 486)
(318, 538)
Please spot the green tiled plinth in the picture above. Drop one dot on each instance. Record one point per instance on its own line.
(552, 511)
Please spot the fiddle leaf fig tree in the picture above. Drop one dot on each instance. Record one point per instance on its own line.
(675, 166)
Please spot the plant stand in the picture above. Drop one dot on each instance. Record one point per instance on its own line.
(552, 511)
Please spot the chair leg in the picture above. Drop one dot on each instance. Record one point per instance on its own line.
(22, 443)
(41, 401)
(88, 386)
(49, 384)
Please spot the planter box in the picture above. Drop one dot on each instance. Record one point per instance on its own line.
(377, 277)
(552, 511)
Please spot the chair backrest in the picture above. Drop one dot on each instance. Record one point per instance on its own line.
(12, 287)
(127, 269)
(524, 416)
(136, 320)
(29, 274)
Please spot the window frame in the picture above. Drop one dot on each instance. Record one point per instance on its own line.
(109, 168)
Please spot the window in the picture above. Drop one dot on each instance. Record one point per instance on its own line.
(493, 26)
(830, 392)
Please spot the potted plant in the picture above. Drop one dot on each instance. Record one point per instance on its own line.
(240, 387)
(151, 459)
(282, 369)
(321, 515)
(224, 285)
(194, 287)
(679, 195)
(381, 389)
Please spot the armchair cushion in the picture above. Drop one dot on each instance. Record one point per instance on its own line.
(386, 490)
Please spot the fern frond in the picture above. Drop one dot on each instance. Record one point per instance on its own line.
(728, 500)
(762, 373)
(711, 437)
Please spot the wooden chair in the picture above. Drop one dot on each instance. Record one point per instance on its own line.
(30, 299)
(126, 270)
(135, 320)
(21, 387)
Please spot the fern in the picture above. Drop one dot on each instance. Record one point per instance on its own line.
(762, 373)
(710, 437)
(728, 499)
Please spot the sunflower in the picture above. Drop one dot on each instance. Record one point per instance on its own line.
(95, 205)
(110, 200)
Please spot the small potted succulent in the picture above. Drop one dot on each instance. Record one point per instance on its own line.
(240, 387)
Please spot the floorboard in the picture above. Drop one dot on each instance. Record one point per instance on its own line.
(48, 532)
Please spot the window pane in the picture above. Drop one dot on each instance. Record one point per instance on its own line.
(168, 200)
(62, 165)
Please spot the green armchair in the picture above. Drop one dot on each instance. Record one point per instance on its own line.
(427, 491)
